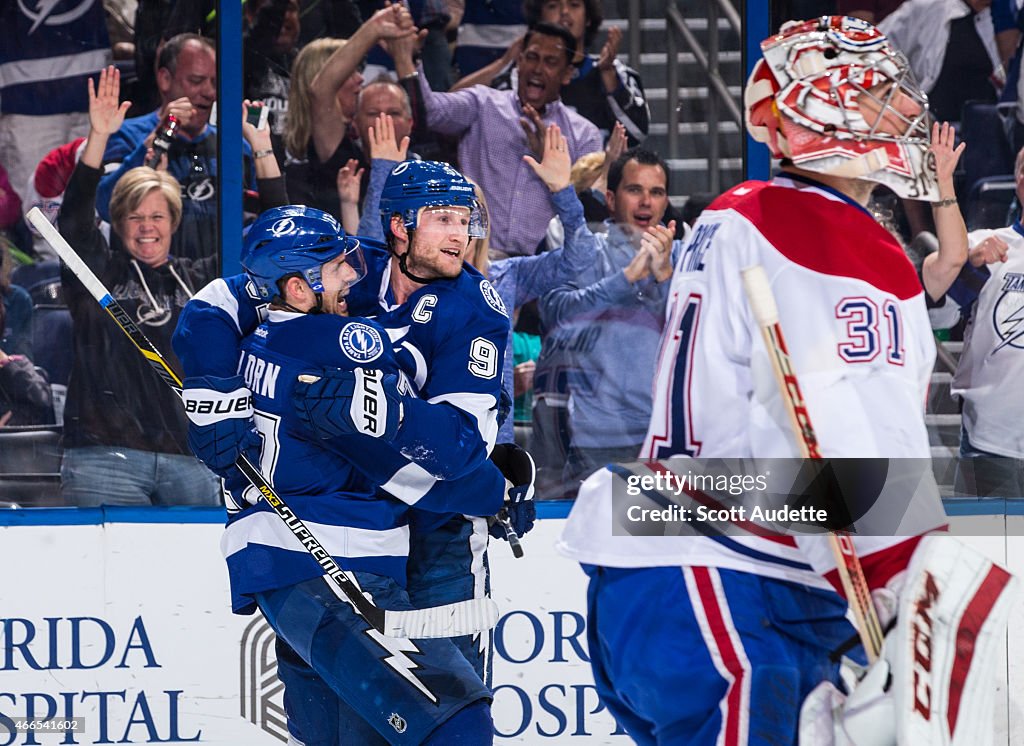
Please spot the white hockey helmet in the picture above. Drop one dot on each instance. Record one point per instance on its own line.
(833, 96)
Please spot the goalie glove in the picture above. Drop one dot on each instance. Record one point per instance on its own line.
(935, 682)
(519, 471)
(220, 419)
(364, 401)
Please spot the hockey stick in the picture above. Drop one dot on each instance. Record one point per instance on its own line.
(851, 574)
(510, 533)
(450, 620)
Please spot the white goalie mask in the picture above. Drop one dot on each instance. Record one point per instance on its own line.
(833, 96)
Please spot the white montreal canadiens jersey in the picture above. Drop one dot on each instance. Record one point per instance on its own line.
(992, 365)
(854, 319)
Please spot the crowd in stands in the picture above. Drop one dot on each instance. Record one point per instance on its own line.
(115, 141)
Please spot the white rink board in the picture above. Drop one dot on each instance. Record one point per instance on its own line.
(127, 625)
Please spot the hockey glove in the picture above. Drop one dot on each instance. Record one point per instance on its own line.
(504, 406)
(337, 402)
(951, 607)
(519, 471)
(220, 422)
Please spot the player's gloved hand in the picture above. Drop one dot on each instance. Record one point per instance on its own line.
(220, 421)
(504, 407)
(335, 402)
(517, 466)
(238, 492)
(866, 717)
(948, 593)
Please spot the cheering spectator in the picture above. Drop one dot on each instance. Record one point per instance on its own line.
(602, 88)
(187, 78)
(322, 105)
(616, 308)
(124, 429)
(156, 21)
(519, 279)
(989, 291)
(270, 45)
(498, 128)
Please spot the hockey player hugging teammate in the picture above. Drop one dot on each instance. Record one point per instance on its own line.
(333, 418)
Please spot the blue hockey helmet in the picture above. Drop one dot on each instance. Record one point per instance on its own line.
(413, 185)
(295, 239)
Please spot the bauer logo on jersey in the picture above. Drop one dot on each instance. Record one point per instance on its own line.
(492, 297)
(361, 342)
(1008, 314)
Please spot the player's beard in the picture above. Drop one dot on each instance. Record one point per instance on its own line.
(435, 264)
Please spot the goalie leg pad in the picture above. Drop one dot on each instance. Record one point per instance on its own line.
(951, 622)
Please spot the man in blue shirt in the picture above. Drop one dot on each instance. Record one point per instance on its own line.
(187, 79)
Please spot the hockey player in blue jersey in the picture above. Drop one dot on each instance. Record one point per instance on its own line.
(207, 339)
(331, 661)
(450, 328)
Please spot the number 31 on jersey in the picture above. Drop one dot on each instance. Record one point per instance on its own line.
(865, 328)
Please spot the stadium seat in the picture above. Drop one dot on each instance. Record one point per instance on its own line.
(986, 128)
(30, 466)
(41, 280)
(52, 341)
(990, 202)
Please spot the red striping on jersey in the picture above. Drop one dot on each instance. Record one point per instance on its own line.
(824, 235)
(719, 628)
(881, 566)
(967, 634)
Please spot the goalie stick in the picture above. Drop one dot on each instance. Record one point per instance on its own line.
(450, 620)
(851, 574)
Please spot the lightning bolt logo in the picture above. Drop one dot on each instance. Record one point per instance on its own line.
(44, 13)
(401, 663)
(1008, 328)
(45, 8)
(482, 641)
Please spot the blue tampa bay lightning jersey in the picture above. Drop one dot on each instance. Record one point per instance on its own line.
(207, 342)
(449, 338)
(331, 485)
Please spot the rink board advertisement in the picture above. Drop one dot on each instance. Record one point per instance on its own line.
(124, 627)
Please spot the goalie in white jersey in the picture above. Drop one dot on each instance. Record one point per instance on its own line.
(722, 639)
